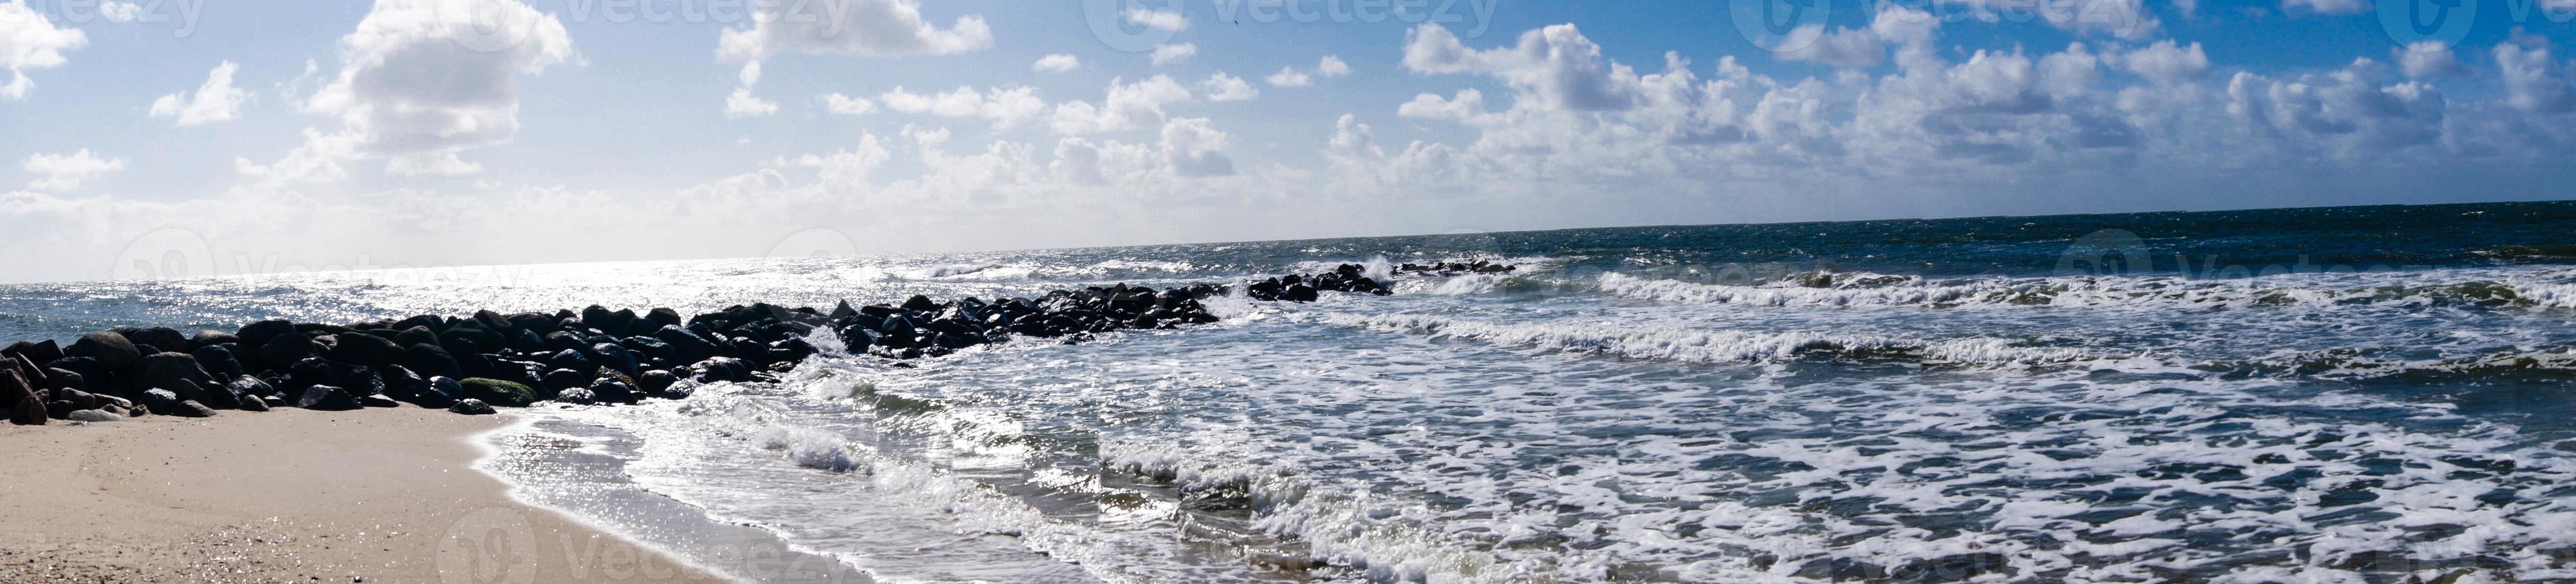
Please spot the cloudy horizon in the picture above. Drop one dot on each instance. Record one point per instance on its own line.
(476, 132)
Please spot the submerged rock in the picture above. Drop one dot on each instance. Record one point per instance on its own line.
(498, 392)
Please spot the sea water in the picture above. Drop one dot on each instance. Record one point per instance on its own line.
(2335, 395)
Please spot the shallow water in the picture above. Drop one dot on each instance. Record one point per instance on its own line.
(2353, 394)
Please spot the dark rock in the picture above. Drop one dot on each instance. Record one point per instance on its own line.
(432, 360)
(565, 379)
(58, 378)
(205, 338)
(685, 344)
(471, 407)
(285, 349)
(259, 333)
(249, 389)
(160, 401)
(111, 350)
(614, 356)
(14, 387)
(378, 401)
(656, 381)
(40, 352)
(163, 337)
(498, 392)
(218, 360)
(327, 398)
(29, 410)
(576, 396)
(365, 349)
(192, 409)
(177, 372)
(80, 400)
(613, 392)
(417, 335)
(255, 403)
(1299, 293)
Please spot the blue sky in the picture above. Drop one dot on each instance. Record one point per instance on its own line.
(460, 132)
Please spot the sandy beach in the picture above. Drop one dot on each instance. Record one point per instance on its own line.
(381, 495)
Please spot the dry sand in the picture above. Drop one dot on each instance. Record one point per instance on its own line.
(380, 495)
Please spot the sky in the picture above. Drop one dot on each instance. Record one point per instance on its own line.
(155, 138)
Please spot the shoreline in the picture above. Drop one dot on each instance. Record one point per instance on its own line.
(387, 495)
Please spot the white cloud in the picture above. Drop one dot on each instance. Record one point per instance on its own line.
(1168, 54)
(1468, 106)
(1332, 66)
(843, 105)
(742, 104)
(870, 28)
(2329, 6)
(64, 172)
(1161, 19)
(422, 81)
(1554, 64)
(1289, 77)
(1057, 63)
(2534, 80)
(120, 12)
(28, 40)
(1223, 87)
(2428, 58)
(1005, 107)
(1847, 48)
(2166, 62)
(215, 101)
(1127, 107)
(2127, 19)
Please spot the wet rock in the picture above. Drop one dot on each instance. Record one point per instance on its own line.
(111, 350)
(499, 393)
(613, 392)
(327, 398)
(471, 407)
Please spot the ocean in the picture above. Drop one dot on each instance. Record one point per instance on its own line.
(2361, 394)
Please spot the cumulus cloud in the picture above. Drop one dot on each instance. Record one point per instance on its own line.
(1847, 48)
(741, 104)
(422, 81)
(29, 40)
(2165, 62)
(2327, 6)
(843, 105)
(2126, 19)
(1332, 66)
(2533, 79)
(1006, 107)
(1290, 77)
(2428, 58)
(215, 101)
(1222, 87)
(1169, 54)
(868, 28)
(1057, 63)
(1128, 106)
(64, 172)
(1161, 19)
(1556, 64)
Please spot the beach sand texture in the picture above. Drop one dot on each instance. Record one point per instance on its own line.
(381, 495)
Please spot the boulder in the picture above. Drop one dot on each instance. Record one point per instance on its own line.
(614, 356)
(285, 350)
(326, 398)
(417, 335)
(498, 392)
(14, 387)
(471, 407)
(218, 360)
(110, 350)
(177, 372)
(92, 416)
(366, 349)
(160, 401)
(685, 344)
(378, 401)
(40, 352)
(254, 404)
(611, 391)
(249, 389)
(656, 381)
(159, 336)
(29, 411)
(565, 379)
(205, 338)
(432, 360)
(80, 400)
(56, 378)
(259, 333)
(576, 396)
(192, 409)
